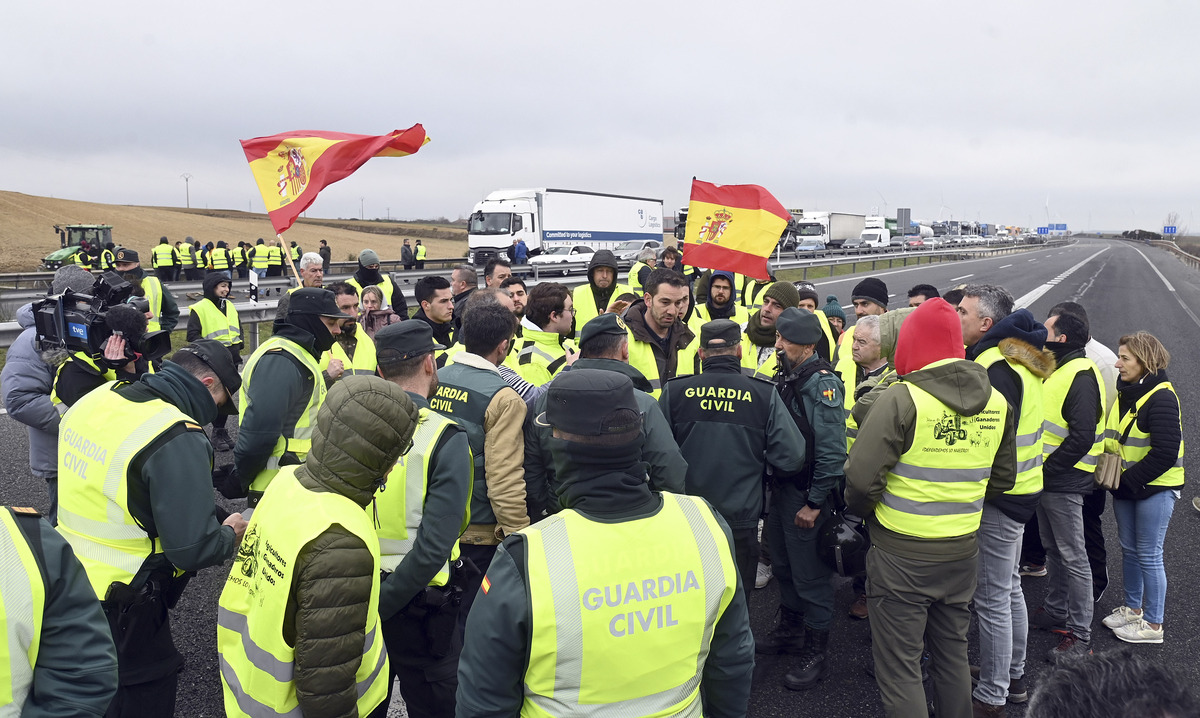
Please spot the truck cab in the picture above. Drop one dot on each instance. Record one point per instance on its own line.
(502, 218)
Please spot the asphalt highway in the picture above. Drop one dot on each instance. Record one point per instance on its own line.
(1124, 288)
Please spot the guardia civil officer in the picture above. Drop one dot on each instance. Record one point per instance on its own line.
(282, 393)
(421, 513)
(603, 345)
(135, 503)
(560, 628)
(61, 660)
(732, 429)
(929, 452)
(812, 393)
(298, 621)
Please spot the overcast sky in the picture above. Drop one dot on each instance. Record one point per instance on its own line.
(998, 112)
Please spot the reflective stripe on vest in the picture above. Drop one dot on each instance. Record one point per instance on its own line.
(386, 286)
(215, 324)
(750, 363)
(1054, 428)
(402, 502)
(256, 662)
(936, 488)
(649, 616)
(262, 257)
(108, 374)
(364, 361)
(641, 357)
(22, 602)
(539, 357)
(1029, 425)
(296, 439)
(635, 285)
(1137, 444)
(219, 258)
(93, 477)
(163, 255)
(420, 252)
(584, 301)
(275, 256)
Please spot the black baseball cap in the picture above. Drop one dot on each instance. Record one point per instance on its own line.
(720, 334)
(124, 254)
(314, 300)
(216, 355)
(591, 402)
(603, 324)
(405, 340)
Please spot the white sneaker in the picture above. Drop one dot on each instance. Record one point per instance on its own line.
(763, 576)
(1138, 632)
(1121, 616)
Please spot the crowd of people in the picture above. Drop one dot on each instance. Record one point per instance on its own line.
(538, 500)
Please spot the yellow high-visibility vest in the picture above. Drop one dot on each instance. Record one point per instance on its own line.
(1136, 446)
(256, 662)
(22, 603)
(93, 481)
(163, 255)
(1054, 393)
(538, 356)
(298, 439)
(364, 361)
(218, 325)
(584, 301)
(1029, 425)
(936, 488)
(603, 605)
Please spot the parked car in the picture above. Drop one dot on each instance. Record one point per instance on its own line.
(563, 255)
(811, 247)
(628, 251)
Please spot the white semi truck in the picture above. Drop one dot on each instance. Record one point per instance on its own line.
(832, 228)
(547, 218)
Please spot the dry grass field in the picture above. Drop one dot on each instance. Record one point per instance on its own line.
(27, 230)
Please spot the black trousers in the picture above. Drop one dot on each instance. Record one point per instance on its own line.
(147, 662)
(745, 555)
(427, 682)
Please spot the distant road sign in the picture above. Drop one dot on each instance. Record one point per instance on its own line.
(1043, 230)
(1060, 227)
(1169, 230)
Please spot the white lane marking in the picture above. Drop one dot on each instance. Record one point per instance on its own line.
(1036, 294)
(955, 279)
(1160, 274)
(1006, 266)
(1171, 288)
(915, 268)
(1033, 260)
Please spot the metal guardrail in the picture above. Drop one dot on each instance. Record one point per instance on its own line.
(264, 311)
(1190, 260)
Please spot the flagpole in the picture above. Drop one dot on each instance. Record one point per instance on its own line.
(288, 256)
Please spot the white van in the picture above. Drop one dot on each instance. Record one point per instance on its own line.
(876, 238)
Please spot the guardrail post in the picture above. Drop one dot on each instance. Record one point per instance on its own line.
(252, 338)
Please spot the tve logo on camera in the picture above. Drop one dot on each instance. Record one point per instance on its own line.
(78, 330)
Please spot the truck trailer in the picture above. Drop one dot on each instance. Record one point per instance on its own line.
(832, 228)
(547, 218)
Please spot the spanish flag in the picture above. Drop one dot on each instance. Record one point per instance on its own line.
(733, 227)
(291, 168)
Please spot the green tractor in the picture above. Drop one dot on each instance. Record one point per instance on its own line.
(70, 237)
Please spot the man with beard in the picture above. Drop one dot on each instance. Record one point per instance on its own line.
(515, 288)
(368, 273)
(593, 299)
(720, 303)
(282, 392)
(421, 516)
(214, 317)
(661, 346)
(463, 281)
(437, 310)
(353, 352)
(758, 344)
(812, 394)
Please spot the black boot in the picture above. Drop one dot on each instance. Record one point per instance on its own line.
(812, 666)
(786, 637)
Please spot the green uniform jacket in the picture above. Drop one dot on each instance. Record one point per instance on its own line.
(76, 669)
(445, 496)
(820, 400)
(887, 433)
(666, 467)
(730, 427)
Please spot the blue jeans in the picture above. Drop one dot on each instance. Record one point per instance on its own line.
(1142, 527)
(260, 272)
(1000, 606)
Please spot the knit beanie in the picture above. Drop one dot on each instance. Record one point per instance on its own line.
(73, 277)
(833, 308)
(807, 292)
(931, 333)
(785, 293)
(873, 290)
(367, 257)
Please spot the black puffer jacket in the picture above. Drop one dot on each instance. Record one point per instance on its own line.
(362, 428)
(1160, 418)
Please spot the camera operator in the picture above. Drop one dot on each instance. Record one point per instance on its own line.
(78, 373)
(164, 310)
